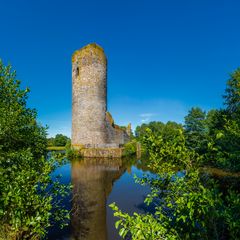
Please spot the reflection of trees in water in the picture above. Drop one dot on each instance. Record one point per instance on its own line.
(92, 182)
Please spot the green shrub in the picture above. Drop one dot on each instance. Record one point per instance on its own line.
(28, 196)
(188, 204)
(130, 148)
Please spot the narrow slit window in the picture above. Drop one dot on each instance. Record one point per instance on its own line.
(77, 72)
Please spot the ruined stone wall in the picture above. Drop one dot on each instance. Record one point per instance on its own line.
(91, 125)
(115, 133)
(102, 152)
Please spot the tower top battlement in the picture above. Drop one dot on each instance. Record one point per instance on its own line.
(90, 52)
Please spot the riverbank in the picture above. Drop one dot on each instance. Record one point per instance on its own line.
(56, 148)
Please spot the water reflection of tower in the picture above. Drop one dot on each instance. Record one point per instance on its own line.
(92, 182)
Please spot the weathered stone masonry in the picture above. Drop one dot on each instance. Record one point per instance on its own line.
(92, 126)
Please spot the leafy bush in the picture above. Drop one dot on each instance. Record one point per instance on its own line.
(130, 148)
(189, 205)
(28, 197)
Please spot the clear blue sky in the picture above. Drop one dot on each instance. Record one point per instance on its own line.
(164, 56)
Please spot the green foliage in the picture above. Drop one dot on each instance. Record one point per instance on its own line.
(223, 146)
(167, 131)
(232, 94)
(214, 121)
(50, 142)
(130, 148)
(72, 153)
(140, 131)
(169, 152)
(59, 140)
(188, 204)
(196, 130)
(215, 137)
(141, 227)
(68, 144)
(195, 120)
(224, 129)
(232, 214)
(18, 128)
(28, 197)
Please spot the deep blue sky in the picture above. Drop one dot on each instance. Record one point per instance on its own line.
(164, 56)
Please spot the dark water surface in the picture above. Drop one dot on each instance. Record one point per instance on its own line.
(96, 184)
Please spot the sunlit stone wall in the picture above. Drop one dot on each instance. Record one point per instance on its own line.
(90, 122)
(89, 70)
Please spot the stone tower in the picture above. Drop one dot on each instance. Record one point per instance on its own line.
(92, 126)
(89, 81)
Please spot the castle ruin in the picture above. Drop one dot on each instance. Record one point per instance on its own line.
(93, 128)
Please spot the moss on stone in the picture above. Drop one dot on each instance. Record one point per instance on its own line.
(114, 125)
(78, 146)
(129, 129)
(102, 152)
(90, 52)
(110, 118)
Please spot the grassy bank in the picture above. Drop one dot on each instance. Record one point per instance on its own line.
(56, 148)
(217, 172)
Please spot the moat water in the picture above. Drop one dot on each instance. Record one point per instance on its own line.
(96, 184)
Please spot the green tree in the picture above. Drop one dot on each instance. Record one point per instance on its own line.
(61, 140)
(28, 202)
(196, 130)
(188, 204)
(224, 127)
(50, 141)
(170, 130)
(223, 146)
(167, 130)
(19, 129)
(232, 94)
(215, 120)
(140, 131)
